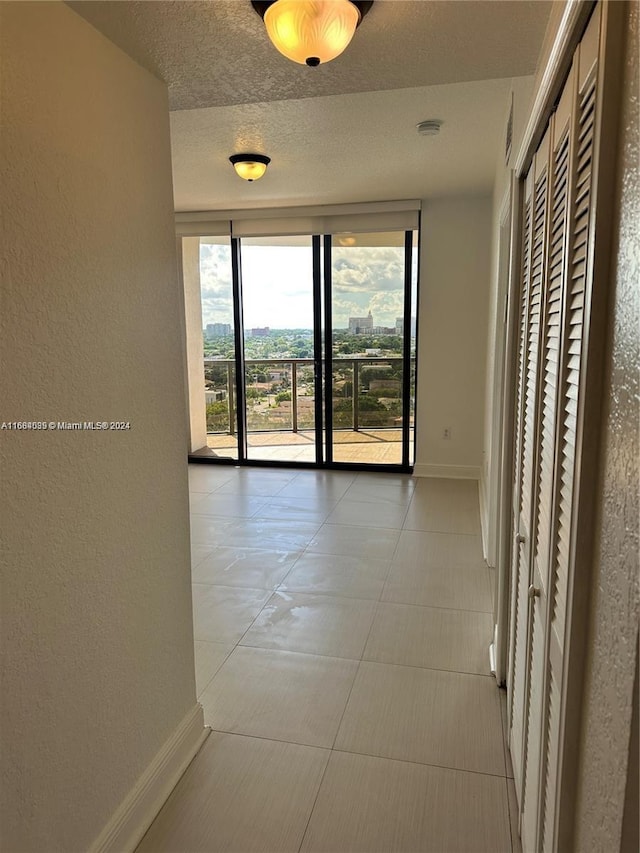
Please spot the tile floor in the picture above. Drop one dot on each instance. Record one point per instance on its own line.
(341, 622)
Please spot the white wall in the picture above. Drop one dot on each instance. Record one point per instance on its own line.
(96, 607)
(453, 313)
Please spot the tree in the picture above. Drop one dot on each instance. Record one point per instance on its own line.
(218, 417)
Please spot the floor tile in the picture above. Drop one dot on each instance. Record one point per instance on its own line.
(350, 541)
(333, 574)
(431, 637)
(270, 533)
(424, 715)
(209, 531)
(419, 721)
(198, 553)
(312, 484)
(258, 568)
(375, 805)
(384, 482)
(441, 550)
(240, 795)
(368, 514)
(207, 478)
(209, 658)
(235, 506)
(459, 589)
(372, 490)
(446, 506)
(257, 483)
(222, 614)
(294, 510)
(280, 695)
(315, 624)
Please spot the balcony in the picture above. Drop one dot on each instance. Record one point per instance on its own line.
(367, 424)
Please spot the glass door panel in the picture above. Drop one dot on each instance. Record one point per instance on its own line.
(413, 343)
(368, 287)
(220, 387)
(280, 381)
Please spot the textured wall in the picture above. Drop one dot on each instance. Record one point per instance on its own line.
(613, 640)
(454, 295)
(96, 607)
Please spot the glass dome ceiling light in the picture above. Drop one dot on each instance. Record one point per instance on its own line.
(311, 32)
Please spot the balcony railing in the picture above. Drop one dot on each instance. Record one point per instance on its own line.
(280, 394)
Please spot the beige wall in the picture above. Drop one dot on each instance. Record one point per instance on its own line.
(615, 603)
(96, 607)
(454, 294)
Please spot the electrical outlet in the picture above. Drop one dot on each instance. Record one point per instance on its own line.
(446, 433)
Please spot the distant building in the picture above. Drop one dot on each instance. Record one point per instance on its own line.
(212, 396)
(400, 326)
(361, 325)
(259, 333)
(218, 330)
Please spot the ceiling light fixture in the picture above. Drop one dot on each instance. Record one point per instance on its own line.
(431, 127)
(250, 166)
(311, 31)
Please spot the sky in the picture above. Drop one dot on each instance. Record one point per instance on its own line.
(277, 285)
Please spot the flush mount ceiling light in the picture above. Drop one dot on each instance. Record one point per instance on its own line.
(431, 127)
(311, 31)
(250, 166)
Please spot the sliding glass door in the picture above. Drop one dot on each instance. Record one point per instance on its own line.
(368, 293)
(309, 348)
(219, 346)
(279, 367)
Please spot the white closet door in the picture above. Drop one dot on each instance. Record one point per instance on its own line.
(518, 620)
(523, 734)
(578, 262)
(555, 269)
(554, 290)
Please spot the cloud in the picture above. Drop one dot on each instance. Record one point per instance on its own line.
(368, 269)
(278, 285)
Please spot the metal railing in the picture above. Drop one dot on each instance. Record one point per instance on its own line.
(282, 375)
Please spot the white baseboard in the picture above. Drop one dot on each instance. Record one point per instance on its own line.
(455, 472)
(139, 808)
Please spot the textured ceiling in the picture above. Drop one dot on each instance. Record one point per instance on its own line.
(216, 52)
(343, 132)
(342, 148)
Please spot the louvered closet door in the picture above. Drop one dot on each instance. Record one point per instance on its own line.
(581, 151)
(526, 461)
(518, 620)
(540, 589)
(556, 263)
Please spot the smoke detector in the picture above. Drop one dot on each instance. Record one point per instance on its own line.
(431, 127)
